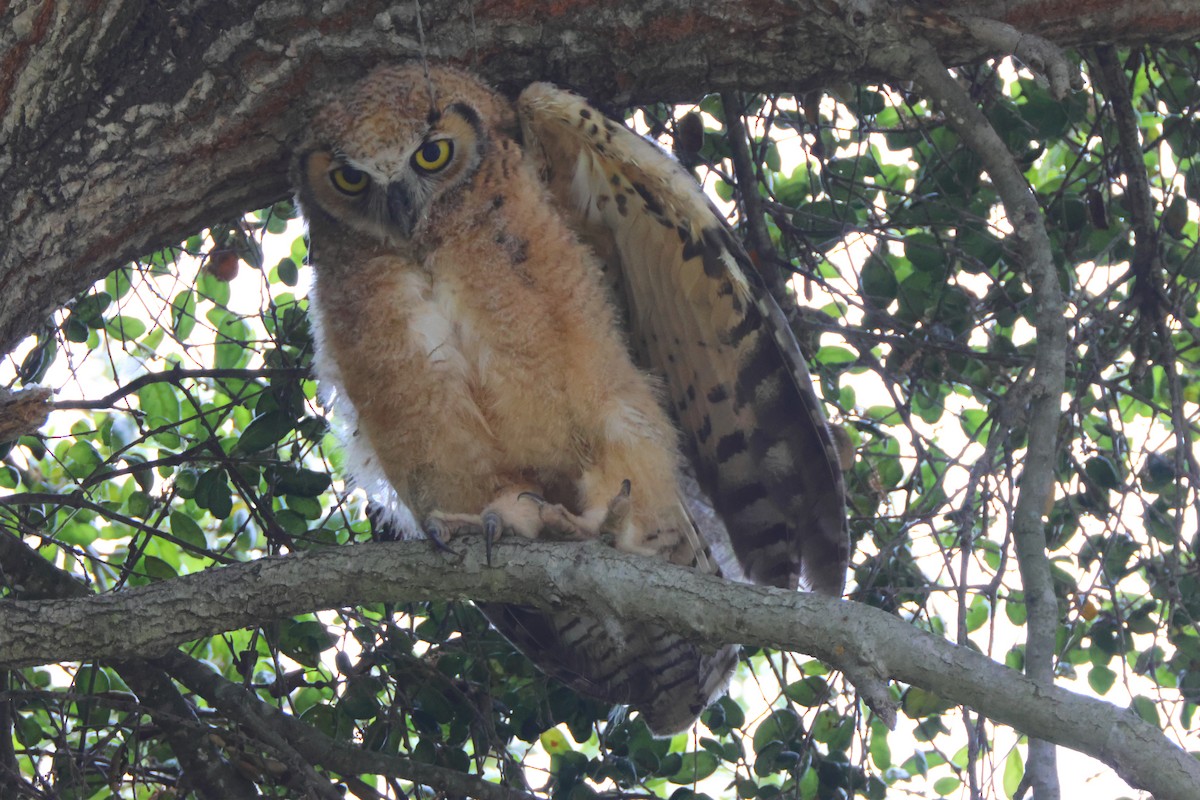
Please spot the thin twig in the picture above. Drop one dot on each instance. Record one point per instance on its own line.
(77, 500)
(177, 376)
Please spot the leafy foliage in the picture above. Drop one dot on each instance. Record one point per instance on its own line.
(199, 441)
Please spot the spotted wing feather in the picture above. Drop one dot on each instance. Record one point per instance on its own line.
(700, 316)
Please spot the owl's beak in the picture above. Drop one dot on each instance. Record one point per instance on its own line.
(401, 209)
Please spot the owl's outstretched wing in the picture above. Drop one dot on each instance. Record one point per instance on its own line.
(700, 316)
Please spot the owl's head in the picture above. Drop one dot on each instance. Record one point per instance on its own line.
(383, 155)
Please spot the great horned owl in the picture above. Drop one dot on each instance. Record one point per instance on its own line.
(502, 291)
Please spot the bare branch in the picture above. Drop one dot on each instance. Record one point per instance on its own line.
(1144, 264)
(22, 412)
(1049, 381)
(176, 377)
(1041, 56)
(152, 619)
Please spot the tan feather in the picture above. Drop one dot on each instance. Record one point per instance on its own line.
(699, 315)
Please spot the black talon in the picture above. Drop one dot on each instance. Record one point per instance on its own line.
(625, 487)
(537, 498)
(433, 532)
(492, 528)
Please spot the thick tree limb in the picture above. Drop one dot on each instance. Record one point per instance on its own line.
(127, 126)
(22, 412)
(31, 576)
(151, 620)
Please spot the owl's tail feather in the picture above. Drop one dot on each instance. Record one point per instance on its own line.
(676, 708)
(667, 678)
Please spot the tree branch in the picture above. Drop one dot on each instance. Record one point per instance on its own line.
(239, 704)
(170, 119)
(1049, 381)
(1144, 263)
(28, 575)
(150, 620)
(22, 412)
(176, 377)
(32, 576)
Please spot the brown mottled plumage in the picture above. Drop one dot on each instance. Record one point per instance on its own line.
(475, 354)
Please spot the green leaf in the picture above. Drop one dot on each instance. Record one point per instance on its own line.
(1014, 609)
(90, 310)
(780, 725)
(157, 569)
(186, 481)
(1102, 472)
(27, 730)
(298, 481)
(304, 641)
(75, 331)
(125, 328)
(919, 702)
(326, 720)
(881, 752)
(1144, 707)
(696, 767)
(184, 528)
(554, 741)
(1014, 770)
(264, 431)
(119, 282)
(306, 507)
(233, 340)
(287, 272)
(809, 692)
(160, 403)
(979, 613)
(215, 290)
(361, 698)
(983, 248)
(1101, 679)
(877, 281)
(299, 251)
(213, 493)
(139, 505)
(835, 355)
(82, 460)
(183, 314)
(944, 786)
(975, 422)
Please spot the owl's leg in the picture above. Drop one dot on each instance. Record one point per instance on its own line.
(603, 523)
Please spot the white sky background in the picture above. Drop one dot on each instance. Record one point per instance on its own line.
(80, 376)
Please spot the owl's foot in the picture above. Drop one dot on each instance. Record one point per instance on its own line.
(561, 524)
(441, 526)
(505, 514)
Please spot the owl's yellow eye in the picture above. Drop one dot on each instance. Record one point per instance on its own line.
(433, 155)
(349, 180)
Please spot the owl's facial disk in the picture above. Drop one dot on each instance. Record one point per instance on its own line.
(390, 192)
